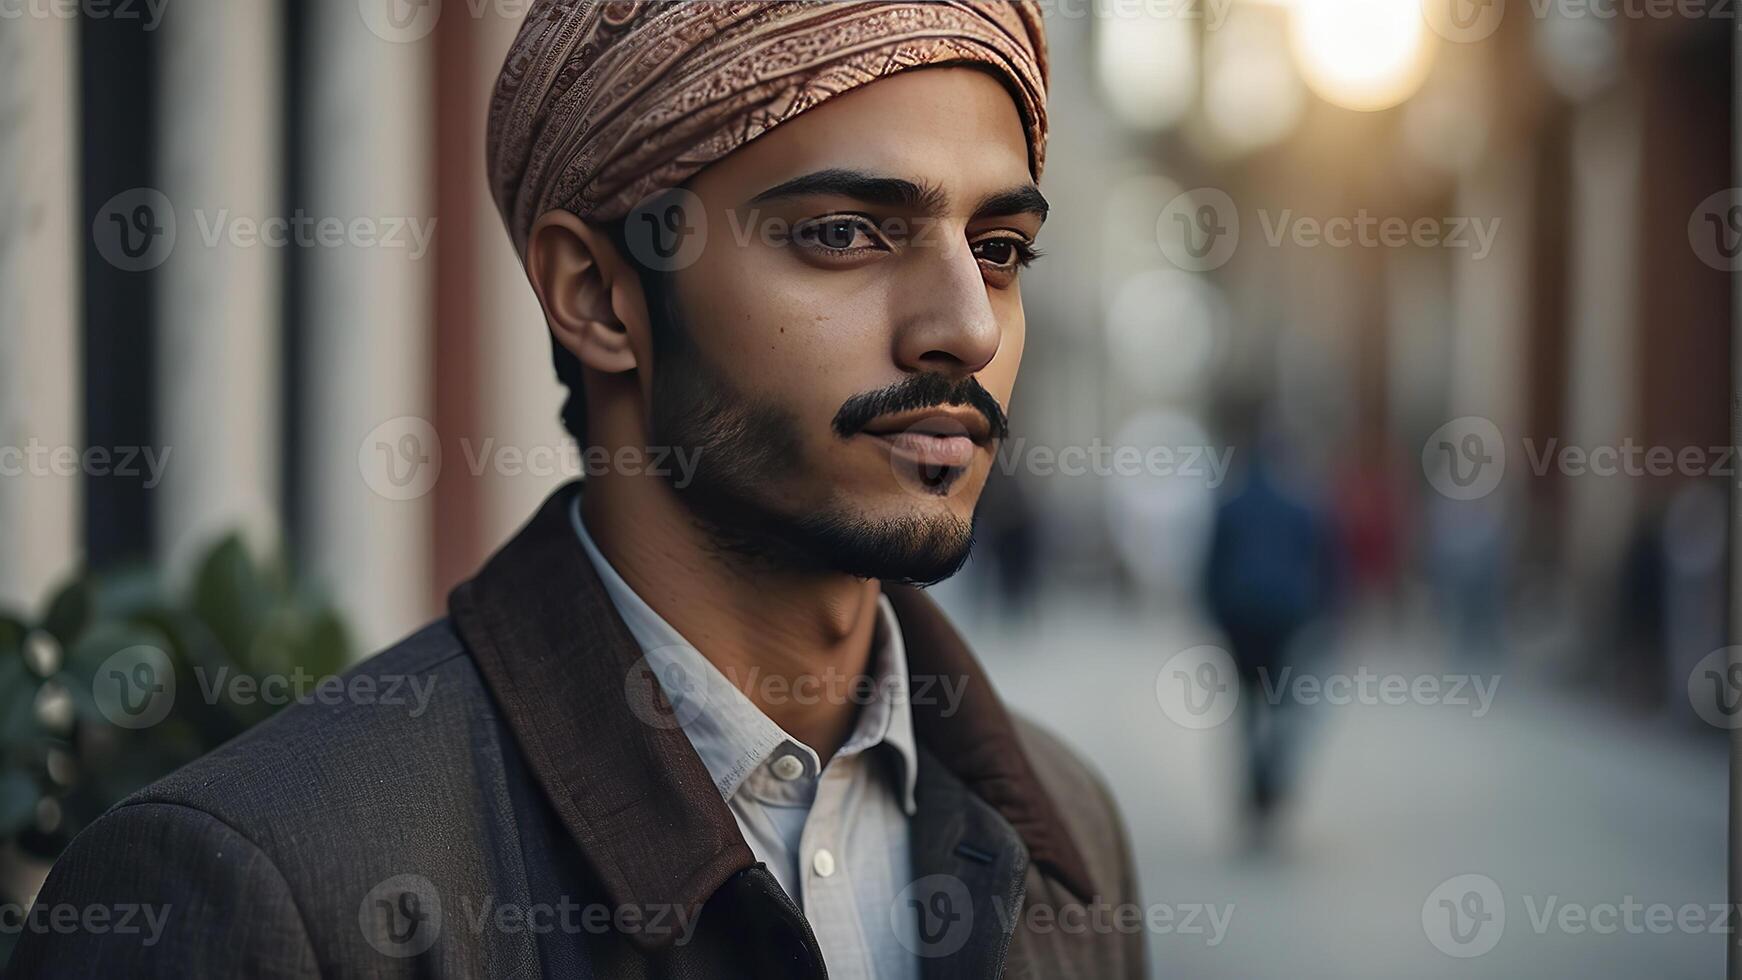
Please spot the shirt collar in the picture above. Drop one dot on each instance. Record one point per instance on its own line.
(730, 734)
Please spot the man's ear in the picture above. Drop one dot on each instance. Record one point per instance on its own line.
(592, 298)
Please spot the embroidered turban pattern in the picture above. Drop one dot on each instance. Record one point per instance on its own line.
(600, 104)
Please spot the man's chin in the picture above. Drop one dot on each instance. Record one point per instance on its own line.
(911, 548)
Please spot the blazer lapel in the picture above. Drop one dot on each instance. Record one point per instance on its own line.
(968, 878)
(594, 724)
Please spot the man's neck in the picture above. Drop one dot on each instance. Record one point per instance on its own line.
(793, 643)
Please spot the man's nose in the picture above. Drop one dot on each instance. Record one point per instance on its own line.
(945, 319)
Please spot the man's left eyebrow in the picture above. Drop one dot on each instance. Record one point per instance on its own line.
(1024, 199)
(915, 197)
(861, 186)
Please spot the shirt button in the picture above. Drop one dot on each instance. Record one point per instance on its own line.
(823, 863)
(788, 767)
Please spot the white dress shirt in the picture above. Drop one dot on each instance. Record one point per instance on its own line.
(836, 837)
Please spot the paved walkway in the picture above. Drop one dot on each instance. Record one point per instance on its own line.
(1579, 818)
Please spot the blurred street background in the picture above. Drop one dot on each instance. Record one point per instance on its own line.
(1366, 516)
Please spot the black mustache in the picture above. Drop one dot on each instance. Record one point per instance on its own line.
(925, 390)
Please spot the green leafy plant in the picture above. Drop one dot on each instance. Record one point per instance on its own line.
(68, 751)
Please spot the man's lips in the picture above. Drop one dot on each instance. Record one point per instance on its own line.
(943, 436)
(942, 420)
(930, 450)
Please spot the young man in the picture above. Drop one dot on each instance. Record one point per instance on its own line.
(700, 726)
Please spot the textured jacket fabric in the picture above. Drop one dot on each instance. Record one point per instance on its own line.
(541, 814)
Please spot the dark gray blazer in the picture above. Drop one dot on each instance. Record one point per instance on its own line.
(543, 815)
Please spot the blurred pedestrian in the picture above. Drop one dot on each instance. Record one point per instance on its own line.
(1271, 575)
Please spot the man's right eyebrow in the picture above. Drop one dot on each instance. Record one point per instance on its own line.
(914, 198)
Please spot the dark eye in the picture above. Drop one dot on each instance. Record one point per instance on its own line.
(1005, 253)
(837, 234)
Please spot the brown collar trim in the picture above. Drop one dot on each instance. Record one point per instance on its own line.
(600, 736)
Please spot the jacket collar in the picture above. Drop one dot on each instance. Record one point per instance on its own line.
(601, 739)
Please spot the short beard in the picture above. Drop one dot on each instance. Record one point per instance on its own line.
(742, 448)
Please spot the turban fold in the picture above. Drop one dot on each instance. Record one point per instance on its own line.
(600, 104)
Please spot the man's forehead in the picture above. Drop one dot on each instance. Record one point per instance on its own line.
(934, 140)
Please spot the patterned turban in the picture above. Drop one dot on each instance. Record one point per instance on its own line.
(600, 104)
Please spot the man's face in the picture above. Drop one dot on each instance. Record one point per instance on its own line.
(847, 339)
